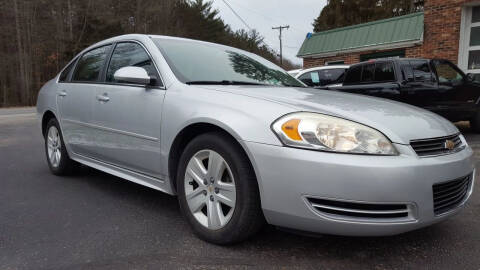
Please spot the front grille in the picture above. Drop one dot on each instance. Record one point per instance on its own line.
(449, 195)
(354, 210)
(436, 146)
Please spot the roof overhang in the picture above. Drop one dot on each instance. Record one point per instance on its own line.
(373, 47)
(396, 32)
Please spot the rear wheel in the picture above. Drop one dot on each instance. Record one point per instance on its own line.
(57, 156)
(218, 191)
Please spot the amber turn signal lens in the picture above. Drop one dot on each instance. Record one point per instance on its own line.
(290, 128)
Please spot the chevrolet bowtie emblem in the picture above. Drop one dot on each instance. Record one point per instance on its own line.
(449, 144)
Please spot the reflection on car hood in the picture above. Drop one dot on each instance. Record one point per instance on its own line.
(400, 122)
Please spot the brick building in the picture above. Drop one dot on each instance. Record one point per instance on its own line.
(447, 29)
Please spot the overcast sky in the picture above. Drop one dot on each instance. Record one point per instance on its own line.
(263, 14)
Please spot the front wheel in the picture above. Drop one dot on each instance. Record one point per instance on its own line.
(218, 191)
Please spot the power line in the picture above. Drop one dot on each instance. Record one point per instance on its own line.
(236, 14)
(245, 23)
(254, 11)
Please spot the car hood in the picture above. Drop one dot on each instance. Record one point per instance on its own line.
(400, 122)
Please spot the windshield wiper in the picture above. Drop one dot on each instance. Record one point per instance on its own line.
(225, 82)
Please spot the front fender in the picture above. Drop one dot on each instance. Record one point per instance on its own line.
(245, 118)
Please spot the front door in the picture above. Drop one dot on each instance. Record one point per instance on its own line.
(128, 117)
(75, 99)
(458, 94)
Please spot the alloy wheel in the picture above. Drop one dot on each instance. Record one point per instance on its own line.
(54, 146)
(210, 189)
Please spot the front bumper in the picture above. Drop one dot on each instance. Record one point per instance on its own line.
(287, 176)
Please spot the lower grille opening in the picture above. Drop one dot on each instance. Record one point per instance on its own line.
(449, 195)
(360, 210)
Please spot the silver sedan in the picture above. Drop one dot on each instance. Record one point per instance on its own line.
(242, 143)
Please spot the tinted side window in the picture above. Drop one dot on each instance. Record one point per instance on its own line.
(129, 54)
(407, 71)
(421, 71)
(368, 73)
(447, 73)
(66, 72)
(384, 72)
(310, 78)
(331, 76)
(354, 75)
(90, 65)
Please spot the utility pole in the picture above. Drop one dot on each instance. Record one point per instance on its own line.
(280, 28)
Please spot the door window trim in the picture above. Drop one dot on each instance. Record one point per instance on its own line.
(70, 73)
(104, 71)
(101, 70)
(104, 67)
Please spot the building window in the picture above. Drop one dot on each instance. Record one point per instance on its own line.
(469, 55)
(388, 54)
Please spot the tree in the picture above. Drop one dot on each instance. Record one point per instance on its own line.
(38, 37)
(340, 13)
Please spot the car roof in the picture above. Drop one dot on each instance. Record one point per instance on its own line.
(303, 71)
(295, 70)
(142, 37)
(390, 59)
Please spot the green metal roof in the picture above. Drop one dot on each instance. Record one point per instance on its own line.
(393, 31)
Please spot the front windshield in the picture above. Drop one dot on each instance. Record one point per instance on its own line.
(197, 62)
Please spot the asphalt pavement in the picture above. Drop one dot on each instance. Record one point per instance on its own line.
(96, 221)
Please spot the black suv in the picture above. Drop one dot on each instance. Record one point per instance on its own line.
(436, 85)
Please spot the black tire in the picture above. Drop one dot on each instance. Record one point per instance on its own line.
(247, 218)
(475, 123)
(66, 166)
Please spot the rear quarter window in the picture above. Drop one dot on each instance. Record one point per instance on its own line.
(66, 72)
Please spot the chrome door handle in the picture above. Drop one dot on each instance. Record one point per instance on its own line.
(62, 93)
(103, 98)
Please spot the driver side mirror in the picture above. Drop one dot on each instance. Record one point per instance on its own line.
(135, 75)
(470, 77)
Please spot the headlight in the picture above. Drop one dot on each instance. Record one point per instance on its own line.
(328, 133)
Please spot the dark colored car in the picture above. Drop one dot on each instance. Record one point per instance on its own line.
(436, 85)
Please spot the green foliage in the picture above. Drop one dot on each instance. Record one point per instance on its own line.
(340, 13)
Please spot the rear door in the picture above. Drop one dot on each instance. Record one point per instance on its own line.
(75, 98)
(128, 116)
(420, 87)
(373, 79)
